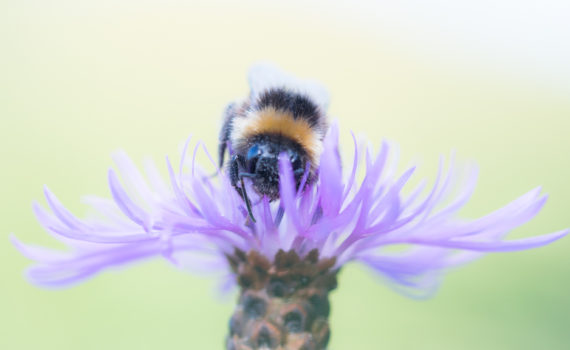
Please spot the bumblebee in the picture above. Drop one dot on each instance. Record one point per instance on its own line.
(282, 115)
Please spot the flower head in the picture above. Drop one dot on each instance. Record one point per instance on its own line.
(352, 213)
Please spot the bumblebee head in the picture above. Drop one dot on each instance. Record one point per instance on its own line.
(262, 165)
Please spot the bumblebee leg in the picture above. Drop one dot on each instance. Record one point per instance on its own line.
(247, 201)
(233, 172)
(237, 182)
(224, 138)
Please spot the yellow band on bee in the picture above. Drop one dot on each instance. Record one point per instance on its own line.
(272, 121)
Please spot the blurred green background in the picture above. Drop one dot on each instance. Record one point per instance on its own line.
(80, 80)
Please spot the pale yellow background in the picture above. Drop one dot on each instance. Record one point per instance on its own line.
(80, 80)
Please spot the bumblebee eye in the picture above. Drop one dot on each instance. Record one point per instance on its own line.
(253, 152)
(252, 157)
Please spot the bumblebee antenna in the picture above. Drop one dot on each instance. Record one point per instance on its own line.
(246, 199)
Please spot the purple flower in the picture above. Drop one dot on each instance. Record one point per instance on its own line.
(356, 213)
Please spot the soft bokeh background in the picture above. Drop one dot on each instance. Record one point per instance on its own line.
(79, 80)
